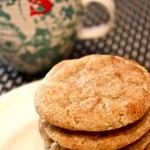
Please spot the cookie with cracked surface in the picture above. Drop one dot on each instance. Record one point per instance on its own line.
(103, 140)
(94, 93)
(140, 144)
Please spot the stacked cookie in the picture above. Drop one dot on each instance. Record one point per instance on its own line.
(98, 102)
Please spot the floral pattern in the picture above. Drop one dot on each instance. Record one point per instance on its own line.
(53, 35)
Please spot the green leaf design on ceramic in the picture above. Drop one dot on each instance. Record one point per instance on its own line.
(69, 11)
(13, 28)
(58, 1)
(14, 33)
(41, 38)
(50, 43)
(40, 8)
(20, 8)
(40, 45)
(10, 2)
(5, 15)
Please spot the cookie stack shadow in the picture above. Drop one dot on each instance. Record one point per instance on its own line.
(98, 102)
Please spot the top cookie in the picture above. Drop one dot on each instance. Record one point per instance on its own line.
(94, 93)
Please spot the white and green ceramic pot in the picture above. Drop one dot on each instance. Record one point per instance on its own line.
(36, 34)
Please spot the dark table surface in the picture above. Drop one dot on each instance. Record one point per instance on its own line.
(130, 37)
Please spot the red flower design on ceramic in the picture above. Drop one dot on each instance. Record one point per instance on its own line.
(46, 4)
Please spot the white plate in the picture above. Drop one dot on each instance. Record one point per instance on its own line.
(18, 120)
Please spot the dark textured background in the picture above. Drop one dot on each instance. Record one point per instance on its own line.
(130, 37)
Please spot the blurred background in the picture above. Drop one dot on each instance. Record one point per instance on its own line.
(130, 38)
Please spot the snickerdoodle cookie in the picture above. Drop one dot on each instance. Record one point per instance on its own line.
(94, 93)
(140, 144)
(106, 140)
